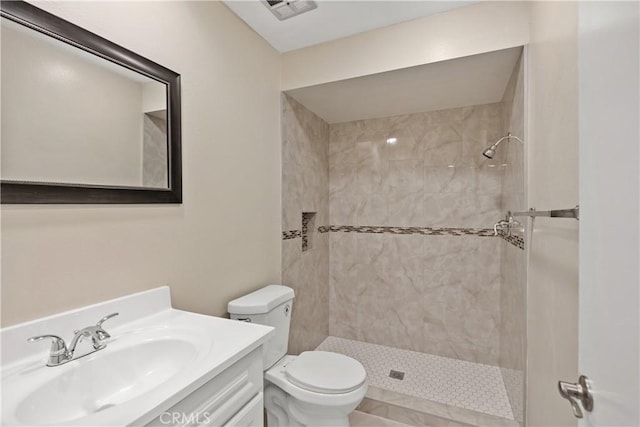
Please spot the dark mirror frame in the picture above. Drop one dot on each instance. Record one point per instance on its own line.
(15, 192)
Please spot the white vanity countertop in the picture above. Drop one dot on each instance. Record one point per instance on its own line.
(198, 347)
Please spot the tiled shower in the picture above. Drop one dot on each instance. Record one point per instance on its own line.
(402, 254)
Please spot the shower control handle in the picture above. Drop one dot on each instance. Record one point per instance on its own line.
(575, 392)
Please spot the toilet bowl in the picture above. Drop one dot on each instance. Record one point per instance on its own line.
(316, 388)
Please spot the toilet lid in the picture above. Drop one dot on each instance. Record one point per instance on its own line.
(326, 372)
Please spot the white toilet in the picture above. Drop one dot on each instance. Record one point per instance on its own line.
(316, 388)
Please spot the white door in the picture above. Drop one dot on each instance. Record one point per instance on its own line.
(609, 138)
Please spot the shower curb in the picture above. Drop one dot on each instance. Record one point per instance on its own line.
(415, 411)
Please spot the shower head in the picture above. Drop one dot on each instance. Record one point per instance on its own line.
(490, 152)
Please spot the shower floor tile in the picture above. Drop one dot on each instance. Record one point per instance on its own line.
(453, 382)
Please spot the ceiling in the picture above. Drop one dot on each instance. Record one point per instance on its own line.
(471, 80)
(332, 19)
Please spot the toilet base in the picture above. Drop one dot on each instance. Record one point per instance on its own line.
(284, 410)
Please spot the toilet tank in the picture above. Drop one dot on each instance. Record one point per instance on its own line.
(269, 306)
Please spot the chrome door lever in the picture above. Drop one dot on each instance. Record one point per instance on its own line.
(575, 392)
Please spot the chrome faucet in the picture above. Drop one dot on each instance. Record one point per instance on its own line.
(507, 224)
(501, 225)
(60, 354)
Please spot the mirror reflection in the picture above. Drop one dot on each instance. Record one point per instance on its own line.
(72, 117)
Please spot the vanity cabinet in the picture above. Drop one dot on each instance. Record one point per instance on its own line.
(232, 398)
(162, 367)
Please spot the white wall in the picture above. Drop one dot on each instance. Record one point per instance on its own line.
(552, 296)
(609, 107)
(465, 31)
(224, 240)
(58, 113)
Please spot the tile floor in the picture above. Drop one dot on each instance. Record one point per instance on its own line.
(459, 383)
(362, 419)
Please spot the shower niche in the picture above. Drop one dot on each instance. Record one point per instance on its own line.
(308, 230)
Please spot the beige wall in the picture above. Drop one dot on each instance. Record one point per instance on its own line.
(224, 240)
(552, 298)
(58, 110)
(464, 31)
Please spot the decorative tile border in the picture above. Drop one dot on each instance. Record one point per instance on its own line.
(516, 241)
(291, 234)
(427, 231)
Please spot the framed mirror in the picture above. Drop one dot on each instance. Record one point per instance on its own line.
(83, 120)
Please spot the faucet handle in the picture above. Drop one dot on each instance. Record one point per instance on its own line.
(105, 318)
(58, 352)
(56, 341)
(100, 336)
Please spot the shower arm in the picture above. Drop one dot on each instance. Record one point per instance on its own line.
(507, 136)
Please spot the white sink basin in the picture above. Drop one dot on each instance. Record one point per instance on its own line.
(156, 357)
(103, 380)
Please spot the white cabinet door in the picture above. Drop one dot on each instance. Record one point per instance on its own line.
(221, 398)
(252, 415)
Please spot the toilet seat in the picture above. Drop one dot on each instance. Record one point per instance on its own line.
(325, 372)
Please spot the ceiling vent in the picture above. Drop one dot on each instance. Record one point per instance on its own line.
(285, 9)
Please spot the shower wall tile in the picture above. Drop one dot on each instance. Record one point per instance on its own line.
(444, 116)
(291, 171)
(462, 300)
(447, 179)
(514, 386)
(305, 188)
(435, 294)
(480, 210)
(513, 266)
(417, 292)
(154, 152)
(291, 262)
(489, 179)
(371, 209)
(441, 209)
(407, 209)
(480, 130)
